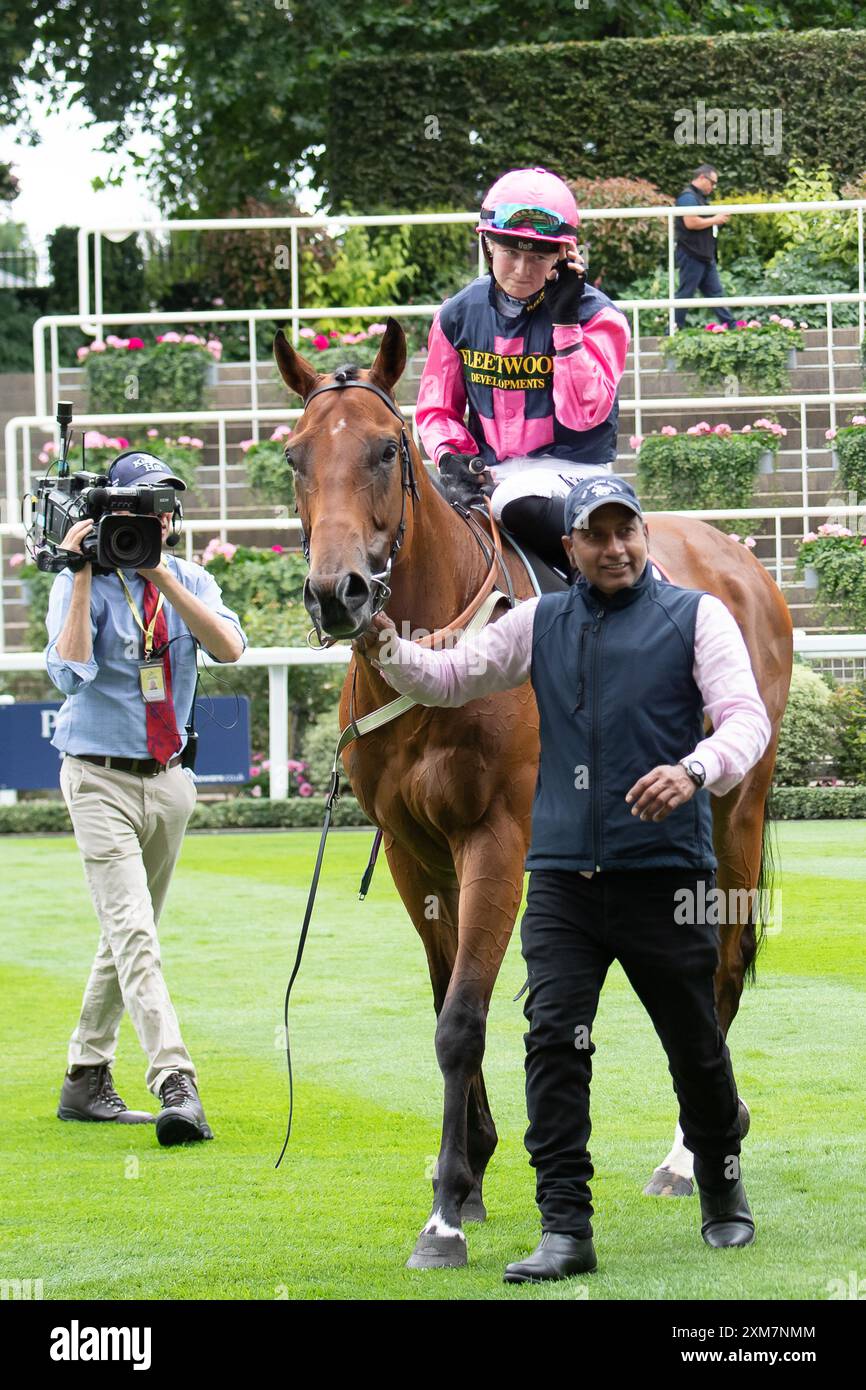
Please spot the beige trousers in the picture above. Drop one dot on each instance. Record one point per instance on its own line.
(129, 830)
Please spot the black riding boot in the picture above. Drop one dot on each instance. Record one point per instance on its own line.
(539, 523)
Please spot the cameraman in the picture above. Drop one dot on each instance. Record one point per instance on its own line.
(122, 648)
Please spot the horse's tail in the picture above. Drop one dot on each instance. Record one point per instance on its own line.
(763, 909)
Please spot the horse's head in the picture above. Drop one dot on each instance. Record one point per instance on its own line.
(353, 476)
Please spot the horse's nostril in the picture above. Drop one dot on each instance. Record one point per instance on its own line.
(353, 590)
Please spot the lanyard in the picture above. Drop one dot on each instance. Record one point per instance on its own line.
(149, 630)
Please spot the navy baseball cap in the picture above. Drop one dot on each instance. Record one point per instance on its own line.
(134, 468)
(594, 492)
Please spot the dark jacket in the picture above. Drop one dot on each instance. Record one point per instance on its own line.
(616, 695)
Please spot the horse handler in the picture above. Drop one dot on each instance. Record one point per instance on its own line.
(624, 669)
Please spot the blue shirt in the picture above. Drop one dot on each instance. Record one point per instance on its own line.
(104, 710)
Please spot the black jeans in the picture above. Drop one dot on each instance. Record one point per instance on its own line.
(572, 929)
(699, 278)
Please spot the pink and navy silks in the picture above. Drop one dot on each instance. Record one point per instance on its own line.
(530, 388)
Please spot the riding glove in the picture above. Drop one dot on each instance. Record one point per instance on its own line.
(563, 295)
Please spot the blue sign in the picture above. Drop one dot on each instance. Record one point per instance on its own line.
(28, 762)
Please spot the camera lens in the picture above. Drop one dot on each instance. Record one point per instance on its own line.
(128, 546)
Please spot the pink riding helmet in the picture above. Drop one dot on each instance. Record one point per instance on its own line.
(530, 203)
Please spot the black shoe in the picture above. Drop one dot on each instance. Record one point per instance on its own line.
(182, 1117)
(88, 1094)
(556, 1256)
(727, 1217)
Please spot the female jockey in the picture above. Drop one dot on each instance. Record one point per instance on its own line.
(536, 353)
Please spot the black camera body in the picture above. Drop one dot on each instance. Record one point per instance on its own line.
(116, 542)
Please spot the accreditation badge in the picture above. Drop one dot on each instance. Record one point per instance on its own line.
(152, 680)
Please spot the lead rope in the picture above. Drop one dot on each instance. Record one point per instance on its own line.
(365, 725)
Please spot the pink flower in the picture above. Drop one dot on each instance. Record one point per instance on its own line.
(750, 542)
(266, 765)
(97, 345)
(377, 328)
(830, 434)
(113, 340)
(333, 333)
(183, 439)
(295, 766)
(774, 318)
(747, 429)
(216, 547)
(668, 430)
(763, 424)
(246, 444)
(635, 441)
(278, 549)
(17, 559)
(82, 353)
(733, 535)
(191, 338)
(169, 338)
(215, 348)
(803, 324)
(708, 327)
(255, 771)
(217, 303)
(858, 419)
(304, 789)
(281, 432)
(320, 342)
(722, 429)
(306, 332)
(741, 323)
(809, 536)
(153, 434)
(786, 323)
(135, 344)
(255, 791)
(195, 443)
(754, 323)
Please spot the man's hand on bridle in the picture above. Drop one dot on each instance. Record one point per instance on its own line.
(371, 642)
(661, 791)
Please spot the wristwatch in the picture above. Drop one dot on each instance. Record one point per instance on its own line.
(696, 770)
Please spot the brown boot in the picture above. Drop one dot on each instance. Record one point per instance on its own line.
(88, 1094)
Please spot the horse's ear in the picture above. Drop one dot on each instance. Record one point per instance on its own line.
(295, 370)
(390, 362)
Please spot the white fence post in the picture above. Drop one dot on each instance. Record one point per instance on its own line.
(278, 721)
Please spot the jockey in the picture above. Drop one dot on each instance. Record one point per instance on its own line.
(537, 354)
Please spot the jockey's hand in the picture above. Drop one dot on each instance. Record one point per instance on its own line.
(381, 631)
(661, 791)
(564, 291)
(462, 482)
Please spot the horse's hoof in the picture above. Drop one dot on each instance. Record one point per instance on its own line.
(438, 1252)
(473, 1208)
(745, 1119)
(665, 1183)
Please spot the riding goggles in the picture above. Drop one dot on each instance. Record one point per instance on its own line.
(510, 217)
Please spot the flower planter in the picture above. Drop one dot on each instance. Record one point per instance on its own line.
(212, 375)
(810, 579)
(792, 358)
(835, 459)
(670, 365)
(766, 462)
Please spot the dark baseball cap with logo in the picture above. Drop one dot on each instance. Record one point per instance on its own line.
(598, 491)
(135, 468)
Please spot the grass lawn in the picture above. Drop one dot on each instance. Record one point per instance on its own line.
(101, 1212)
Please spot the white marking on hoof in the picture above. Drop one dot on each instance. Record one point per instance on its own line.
(680, 1160)
(438, 1226)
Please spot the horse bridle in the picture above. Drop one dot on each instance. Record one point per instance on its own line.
(342, 382)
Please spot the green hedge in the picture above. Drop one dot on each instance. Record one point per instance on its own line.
(37, 817)
(609, 109)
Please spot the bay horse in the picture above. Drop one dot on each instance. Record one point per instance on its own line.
(452, 789)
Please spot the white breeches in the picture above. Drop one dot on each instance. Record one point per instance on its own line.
(543, 476)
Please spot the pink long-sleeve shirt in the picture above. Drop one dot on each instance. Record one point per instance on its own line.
(499, 658)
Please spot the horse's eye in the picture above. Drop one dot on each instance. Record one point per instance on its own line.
(389, 453)
(287, 454)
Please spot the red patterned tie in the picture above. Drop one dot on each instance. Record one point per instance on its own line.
(163, 739)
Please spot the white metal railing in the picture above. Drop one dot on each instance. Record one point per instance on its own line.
(337, 221)
(279, 659)
(18, 430)
(50, 323)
